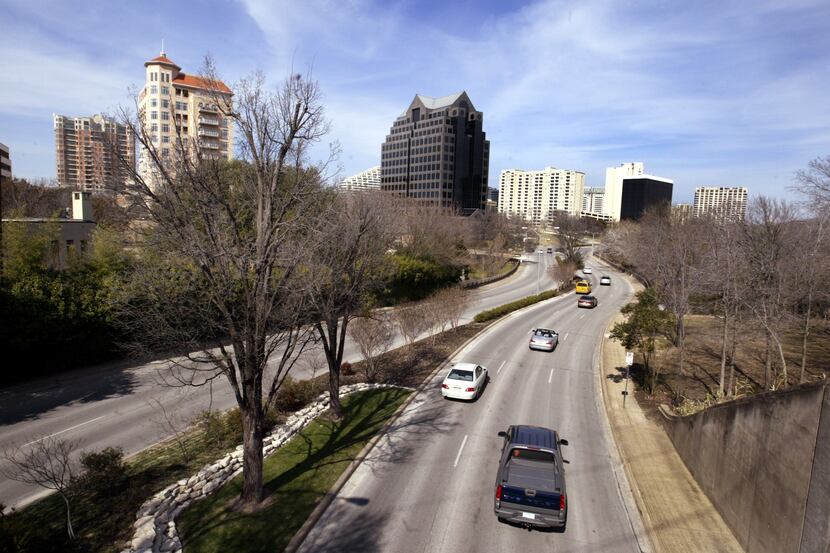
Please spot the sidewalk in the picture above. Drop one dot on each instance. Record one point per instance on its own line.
(677, 515)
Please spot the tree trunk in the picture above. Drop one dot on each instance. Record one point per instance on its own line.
(681, 343)
(252, 456)
(804, 336)
(724, 340)
(333, 348)
(69, 529)
(767, 361)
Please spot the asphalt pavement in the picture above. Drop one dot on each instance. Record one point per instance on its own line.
(127, 405)
(428, 485)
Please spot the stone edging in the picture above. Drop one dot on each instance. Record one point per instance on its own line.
(155, 527)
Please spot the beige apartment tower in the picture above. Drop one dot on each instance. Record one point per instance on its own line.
(728, 204)
(173, 106)
(94, 154)
(536, 196)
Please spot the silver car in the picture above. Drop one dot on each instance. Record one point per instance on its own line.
(543, 339)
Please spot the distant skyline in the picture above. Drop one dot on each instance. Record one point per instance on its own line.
(726, 93)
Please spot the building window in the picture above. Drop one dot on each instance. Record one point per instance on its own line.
(154, 89)
(165, 139)
(154, 103)
(154, 127)
(165, 90)
(165, 103)
(165, 115)
(165, 127)
(154, 115)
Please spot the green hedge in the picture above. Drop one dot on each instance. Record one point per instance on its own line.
(502, 310)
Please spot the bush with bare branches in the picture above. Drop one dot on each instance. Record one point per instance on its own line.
(373, 335)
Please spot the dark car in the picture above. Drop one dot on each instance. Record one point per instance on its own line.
(587, 301)
(530, 482)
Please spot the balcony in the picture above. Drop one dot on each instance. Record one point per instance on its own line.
(209, 132)
(208, 107)
(208, 121)
(209, 145)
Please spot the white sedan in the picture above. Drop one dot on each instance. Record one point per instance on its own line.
(587, 271)
(464, 381)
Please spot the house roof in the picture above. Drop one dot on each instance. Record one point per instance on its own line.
(192, 81)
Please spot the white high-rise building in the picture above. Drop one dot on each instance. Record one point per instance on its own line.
(176, 104)
(726, 203)
(592, 199)
(537, 195)
(365, 180)
(612, 200)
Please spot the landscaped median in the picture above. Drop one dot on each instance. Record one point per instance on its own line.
(503, 310)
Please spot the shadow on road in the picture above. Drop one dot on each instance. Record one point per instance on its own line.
(31, 399)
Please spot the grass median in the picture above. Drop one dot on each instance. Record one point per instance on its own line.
(296, 477)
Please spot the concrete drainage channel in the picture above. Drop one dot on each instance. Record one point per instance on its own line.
(155, 526)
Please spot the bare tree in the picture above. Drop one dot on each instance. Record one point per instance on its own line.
(373, 335)
(814, 182)
(411, 320)
(562, 272)
(219, 276)
(169, 424)
(345, 270)
(571, 233)
(46, 463)
(452, 301)
(767, 243)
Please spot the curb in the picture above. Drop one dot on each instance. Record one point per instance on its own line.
(318, 512)
(624, 488)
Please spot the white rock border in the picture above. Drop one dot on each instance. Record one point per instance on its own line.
(155, 526)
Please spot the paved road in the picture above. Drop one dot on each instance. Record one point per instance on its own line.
(428, 485)
(118, 405)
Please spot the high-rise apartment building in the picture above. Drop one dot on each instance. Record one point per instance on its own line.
(173, 105)
(5, 162)
(492, 202)
(93, 153)
(365, 180)
(437, 152)
(592, 199)
(537, 195)
(725, 203)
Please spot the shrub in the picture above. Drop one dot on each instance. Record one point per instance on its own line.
(346, 369)
(502, 310)
(294, 395)
(105, 471)
(221, 428)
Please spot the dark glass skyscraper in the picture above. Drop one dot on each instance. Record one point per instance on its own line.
(437, 152)
(639, 194)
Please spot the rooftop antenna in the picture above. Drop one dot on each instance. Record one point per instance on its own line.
(162, 47)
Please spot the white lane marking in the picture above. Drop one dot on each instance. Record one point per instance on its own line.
(566, 336)
(62, 431)
(460, 449)
(550, 376)
(582, 315)
(500, 366)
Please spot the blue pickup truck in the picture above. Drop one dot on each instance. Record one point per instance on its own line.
(530, 483)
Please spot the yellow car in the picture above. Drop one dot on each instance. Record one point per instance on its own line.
(583, 287)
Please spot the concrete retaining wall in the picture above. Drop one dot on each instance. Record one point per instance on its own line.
(764, 462)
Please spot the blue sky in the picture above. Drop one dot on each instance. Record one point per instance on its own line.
(720, 93)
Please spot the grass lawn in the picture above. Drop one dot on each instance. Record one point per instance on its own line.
(296, 477)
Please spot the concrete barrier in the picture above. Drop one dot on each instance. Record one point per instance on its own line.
(764, 462)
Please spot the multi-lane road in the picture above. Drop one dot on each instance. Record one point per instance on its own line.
(428, 485)
(121, 405)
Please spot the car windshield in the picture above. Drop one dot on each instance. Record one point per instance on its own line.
(457, 374)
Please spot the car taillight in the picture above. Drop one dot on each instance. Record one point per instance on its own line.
(562, 502)
(445, 386)
(470, 390)
(498, 492)
(550, 342)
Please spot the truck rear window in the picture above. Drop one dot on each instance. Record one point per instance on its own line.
(531, 455)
